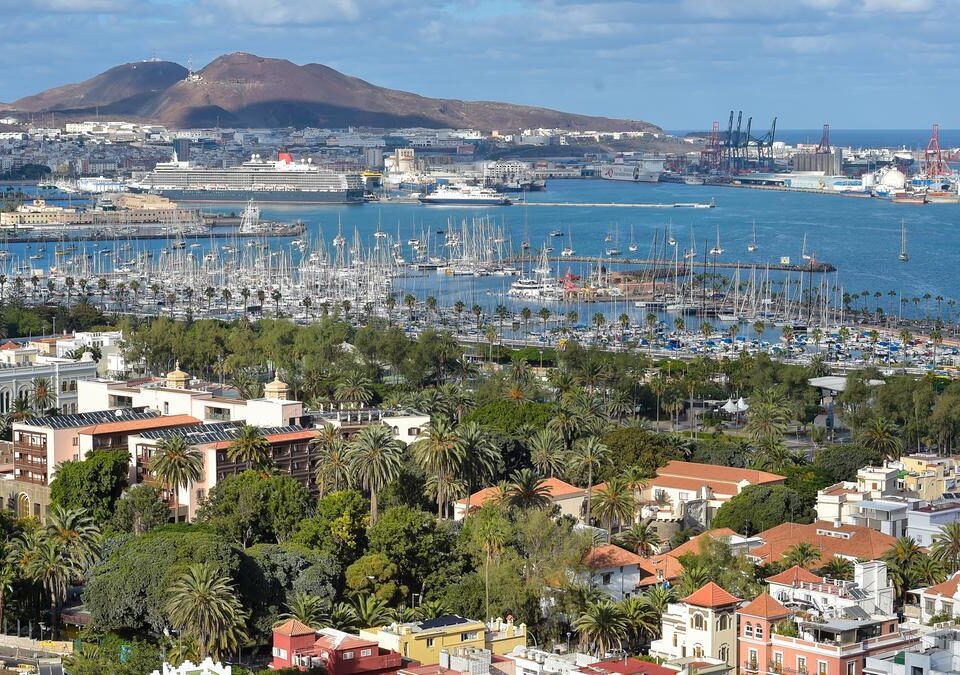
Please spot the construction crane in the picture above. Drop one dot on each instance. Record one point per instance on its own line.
(712, 154)
(824, 140)
(765, 145)
(936, 165)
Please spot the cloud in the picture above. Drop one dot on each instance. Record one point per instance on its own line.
(80, 6)
(285, 12)
(904, 6)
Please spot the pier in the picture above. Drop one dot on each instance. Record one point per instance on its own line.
(665, 264)
(625, 205)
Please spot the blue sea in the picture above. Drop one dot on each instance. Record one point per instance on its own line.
(860, 236)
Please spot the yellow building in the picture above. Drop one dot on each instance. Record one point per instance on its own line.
(423, 640)
(929, 475)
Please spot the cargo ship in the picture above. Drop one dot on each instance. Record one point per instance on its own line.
(281, 181)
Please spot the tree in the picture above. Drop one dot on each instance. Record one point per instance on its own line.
(53, 567)
(946, 546)
(76, 535)
(615, 502)
(881, 436)
(439, 452)
(374, 457)
(481, 457)
(43, 395)
(489, 528)
(837, 568)
(527, 490)
(310, 610)
(546, 452)
(375, 573)
(354, 388)
(641, 538)
(589, 455)
(94, 484)
(332, 468)
(418, 544)
(759, 507)
(204, 605)
(337, 528)
(140, 509)
(176, 465)
(250, 447)
(371, 611)
(802, 553)
(602, 627)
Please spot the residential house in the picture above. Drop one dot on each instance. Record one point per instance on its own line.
(423, 641)
(852, 542)
(296, 645)
(407, 425)
(693, 492)
(614, 570)
(937, 653)
(568, 498)
(939, 600)
(876, 500)
(703, 624)
(926, 522)
(929, 476)
(870, 590)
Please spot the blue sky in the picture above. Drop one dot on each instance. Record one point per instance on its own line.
(678, 63)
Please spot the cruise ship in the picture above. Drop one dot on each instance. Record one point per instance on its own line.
(464, 195)
(283, 180)
(646, 170)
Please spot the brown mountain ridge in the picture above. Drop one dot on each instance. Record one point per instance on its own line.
(245, 90)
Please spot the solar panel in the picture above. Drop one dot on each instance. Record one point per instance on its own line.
(91, 418)
(215, 432)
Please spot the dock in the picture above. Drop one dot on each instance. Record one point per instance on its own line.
(663, 264)
(624, 205)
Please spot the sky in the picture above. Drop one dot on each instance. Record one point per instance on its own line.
(681, 64)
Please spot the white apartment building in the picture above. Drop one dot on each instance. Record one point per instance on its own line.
(799, 589)
(926, 522)
(21, 366)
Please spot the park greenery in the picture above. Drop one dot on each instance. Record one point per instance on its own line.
(377, 540)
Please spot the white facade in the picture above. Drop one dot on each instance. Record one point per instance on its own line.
(937, 654)
(20, 367)
(925, 523)
(407, 425)
(870, 590)
(688, 631)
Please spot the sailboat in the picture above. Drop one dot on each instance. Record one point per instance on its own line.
(716, 250)
(632, 246)
(670, 240)
(615, 249)
(904, 256)
(691, 252)
(752, 246)
(803, 250)
(568, 249)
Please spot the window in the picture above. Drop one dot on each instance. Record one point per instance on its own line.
(472, 635)
(724, 652)
(166, 408)
(748, 629)
(366, 652)
(698, 650)
(758, 633)
(607, 578)
(429, 643)
(851, 668)
(822, 667)
(753, 659)
(347, 656)
(929, 606)
(946, 608)
(801, 664)
(724, 622)
(698, 622)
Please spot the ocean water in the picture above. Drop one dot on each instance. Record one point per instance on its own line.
(861, 237)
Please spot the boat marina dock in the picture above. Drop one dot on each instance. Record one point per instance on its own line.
(669, 267)
(626, 205)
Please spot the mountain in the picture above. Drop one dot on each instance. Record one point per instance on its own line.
(244, 90)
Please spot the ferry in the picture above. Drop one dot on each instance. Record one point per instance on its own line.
(463, 195)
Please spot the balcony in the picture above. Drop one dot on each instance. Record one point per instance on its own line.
(880, 642)
(772, 669)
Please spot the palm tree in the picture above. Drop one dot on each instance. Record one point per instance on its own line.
(803, 554)
(615, 502)
(643, 619)
(354, 388)
(928, 571)
(371, 611)
(431, 609)
(601, 627)
(52, 566)
(8, 574)
(42, 394)
(587, 457)
(882, 436)
(837, 568)
(205, 605)
(527, 490)
(310, 610)
(375, 457)
(177, 465)
(641, 538)
(546, 452)
(767, 418)
(565, 423)
(250, 447)
(491, 531)
(76, 532)
(946, 546)
(480, 456)
(332, 467)
(440, 453)
(344, 617)
(693, 578)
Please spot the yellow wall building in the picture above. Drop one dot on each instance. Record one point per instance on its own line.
(929, 475)
(423, 640)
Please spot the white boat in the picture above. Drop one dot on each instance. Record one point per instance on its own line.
(717, 250)
(904, 256)
(645, 170)
(752, 246)
(463, 195)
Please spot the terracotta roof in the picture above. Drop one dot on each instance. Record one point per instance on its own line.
(629, 666)
(839, 489)
(715, 473)
(711, 595)
(859, 542)
(794, 576)
(608, 555)
(556, 488)
(304, 435)
(693, 544)
(292, 628)
(6, 346)
(659, 568)
(947, 588)
(163, 422)
(765, 606)
(336, 640)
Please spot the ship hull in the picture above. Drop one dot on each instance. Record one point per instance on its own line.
(265, 196)
(440, 201)
(629, 173)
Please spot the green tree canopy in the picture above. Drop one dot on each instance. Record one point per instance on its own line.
(760, 507)
(93, 484)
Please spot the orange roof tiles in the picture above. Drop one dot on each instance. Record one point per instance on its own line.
(794, 577)
(292, 628)
(7, 346)
(946, 588)
(659, 568)
(859, 542)
(162, 422)
(342, 641)
(765, 606)
(693, 544)
(711, 595)
(608, 555)
(287, 437)
(555, 487)
(713, 472)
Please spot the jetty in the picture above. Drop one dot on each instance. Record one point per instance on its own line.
(625, 205)
(664, 264)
